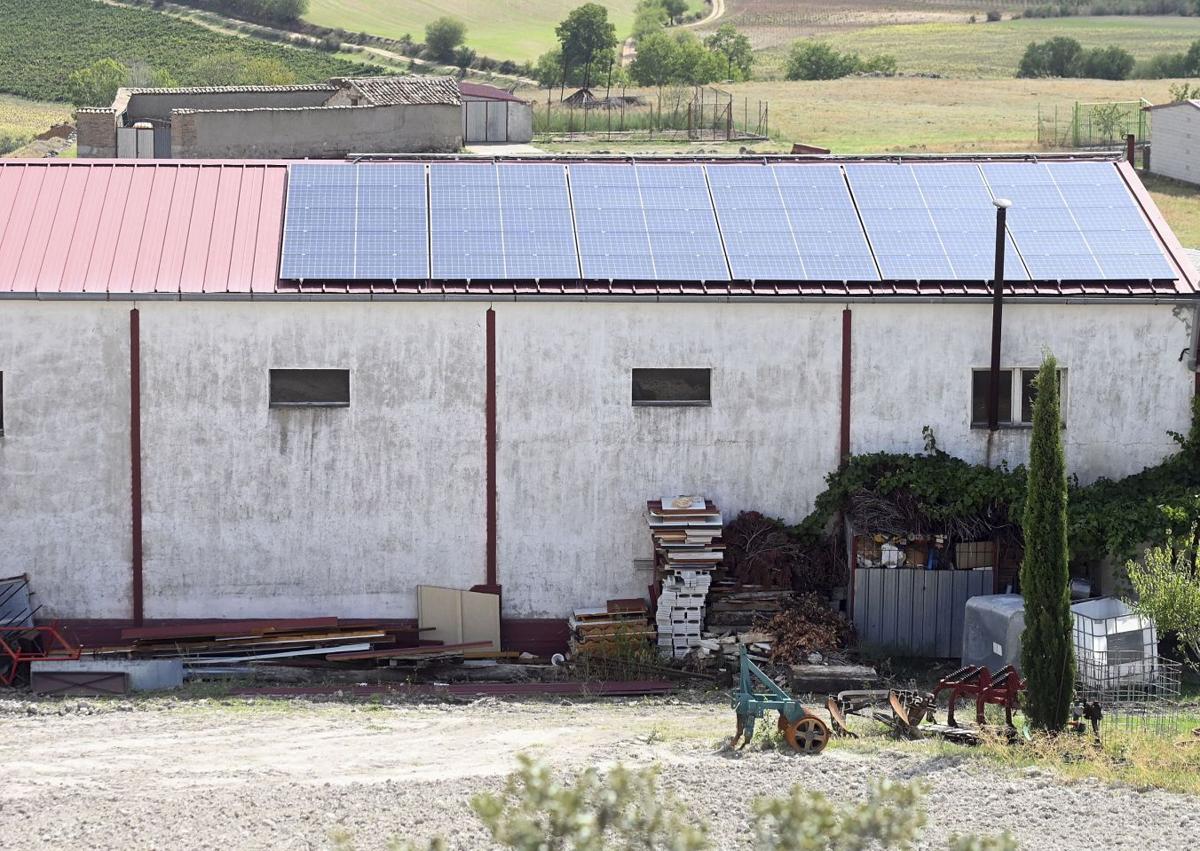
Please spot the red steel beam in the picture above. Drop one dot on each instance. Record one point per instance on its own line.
(490, 416)
(844, 452)
(135, 458)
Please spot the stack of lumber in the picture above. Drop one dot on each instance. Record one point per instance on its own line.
(735, 608)
(293, 641)
(616, 623)
(686, 532)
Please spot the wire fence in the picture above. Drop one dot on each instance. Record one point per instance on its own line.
(1092, 125)
(688, 113)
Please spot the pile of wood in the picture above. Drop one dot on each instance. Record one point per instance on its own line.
(226, 645)
(611, 628)
(686, 532)
(735, 608)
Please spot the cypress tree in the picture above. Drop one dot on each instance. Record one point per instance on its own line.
(1047, 652)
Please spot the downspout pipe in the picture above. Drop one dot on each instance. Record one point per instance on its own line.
(1002, 205)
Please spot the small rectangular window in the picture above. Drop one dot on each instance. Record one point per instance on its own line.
(980, 381)
(1029, 393)
(310, 388)
(672, 387)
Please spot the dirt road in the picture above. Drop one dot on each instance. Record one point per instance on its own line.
(212, 774)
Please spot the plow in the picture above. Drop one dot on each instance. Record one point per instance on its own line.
(906, 713)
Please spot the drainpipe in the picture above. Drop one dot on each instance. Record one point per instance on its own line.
(135, 458)
(844, 448)
(1002, 205)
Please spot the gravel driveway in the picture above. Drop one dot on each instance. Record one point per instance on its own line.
(214, 774)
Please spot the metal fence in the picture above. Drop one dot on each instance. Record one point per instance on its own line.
(1092, 125)
(688, 113)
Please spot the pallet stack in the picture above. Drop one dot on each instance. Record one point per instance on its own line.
(686, 532)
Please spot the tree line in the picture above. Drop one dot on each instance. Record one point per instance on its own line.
(1065, 57)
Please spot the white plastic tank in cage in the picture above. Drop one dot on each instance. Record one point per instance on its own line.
(1114, 645)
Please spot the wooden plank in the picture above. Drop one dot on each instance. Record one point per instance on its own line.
(480, 617)
(440, 608)
(214, 629)
(413, 652)
(266, 657)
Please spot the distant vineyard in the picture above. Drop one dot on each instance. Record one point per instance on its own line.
(46, 40)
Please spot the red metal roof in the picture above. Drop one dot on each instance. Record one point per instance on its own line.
(140, 227)
(479, 90)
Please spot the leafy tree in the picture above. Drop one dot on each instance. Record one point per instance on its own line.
(1057, 57)
(1167, 581)
(143, 76)
(695, 64)
(586, 36)
(442, 36)
(1105, 63)
(656, 62)
(97, 84)
(816, 60)
(1047, 654)
(735, 47)
(675, 9)
(1183, 91)
(650, 17)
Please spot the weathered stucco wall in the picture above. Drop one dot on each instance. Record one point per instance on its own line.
(146, 106)
(251, 511)
(64, 457)
(319, 132)
(289, 512)
(1126, 386)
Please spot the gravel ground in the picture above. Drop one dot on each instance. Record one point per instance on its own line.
(218, 774)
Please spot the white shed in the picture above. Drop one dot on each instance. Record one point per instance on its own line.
(1175, 145)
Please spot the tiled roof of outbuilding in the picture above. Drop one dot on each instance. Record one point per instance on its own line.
(411, 89)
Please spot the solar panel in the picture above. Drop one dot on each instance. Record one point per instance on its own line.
(824, 223)
(682, 227)
(467, 232)
(539, 236)
(1077, 221)
(964, 216)
(613, 242)
(754, 223)
(355, 222)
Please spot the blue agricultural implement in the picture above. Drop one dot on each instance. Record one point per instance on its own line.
(804, 732)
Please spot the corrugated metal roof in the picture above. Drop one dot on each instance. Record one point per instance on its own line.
(1192, 103)
(479, 90)
(410, 89)
(106, 227)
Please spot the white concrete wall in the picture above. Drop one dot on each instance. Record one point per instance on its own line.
(1126, 386)
(251, 511)
(1175, 142)
(64, 457)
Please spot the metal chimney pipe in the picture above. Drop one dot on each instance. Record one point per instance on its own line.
(1002, 205)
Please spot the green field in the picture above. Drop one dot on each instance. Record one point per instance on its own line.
(42, 42)
(503, 29)
(23, 118)
(1180, 206)
(980, 50)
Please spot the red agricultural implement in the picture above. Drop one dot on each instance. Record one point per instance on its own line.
(19, 645)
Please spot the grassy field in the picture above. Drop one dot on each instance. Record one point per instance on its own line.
(43, 42)
(504, 29)
(1180, 205)
(24, 118)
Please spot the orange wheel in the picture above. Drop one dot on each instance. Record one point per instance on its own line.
(808, 735)
(783, 723)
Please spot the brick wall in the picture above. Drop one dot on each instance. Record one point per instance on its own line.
(96, 131)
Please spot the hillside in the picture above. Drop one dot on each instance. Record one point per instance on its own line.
(503, 29)
(44, 42)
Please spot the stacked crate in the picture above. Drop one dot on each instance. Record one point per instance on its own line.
(687, 548)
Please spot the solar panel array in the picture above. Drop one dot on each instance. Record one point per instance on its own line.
(714, 222)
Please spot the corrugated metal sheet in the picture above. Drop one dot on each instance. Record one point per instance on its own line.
(79, 227)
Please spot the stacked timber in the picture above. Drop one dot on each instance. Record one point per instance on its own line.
(736, 608)
(686, 532)
(225, 646)
(614, 626)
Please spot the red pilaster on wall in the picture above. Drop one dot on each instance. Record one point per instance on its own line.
(844, 454)
(135, 458)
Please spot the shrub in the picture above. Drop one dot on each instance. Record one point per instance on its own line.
(816, 60)
(1058, 57)
(993, 16)
(97, 84)
(1167, 583)
(1047, 654)
(1105, 63)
